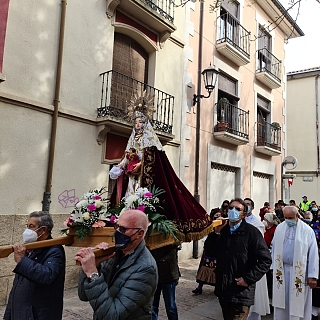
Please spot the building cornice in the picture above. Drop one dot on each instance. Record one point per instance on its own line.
(276, 11)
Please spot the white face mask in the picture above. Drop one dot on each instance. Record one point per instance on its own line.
(30, 235)
(265, 223)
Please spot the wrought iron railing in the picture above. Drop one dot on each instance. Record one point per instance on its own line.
(117, 91)
(269, 135)
(232, 119)
(230, 30)
(165, 8)
(267, 62)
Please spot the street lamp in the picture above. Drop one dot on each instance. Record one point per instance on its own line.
(210, 76)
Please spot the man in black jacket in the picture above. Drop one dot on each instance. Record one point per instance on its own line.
(38, 285)
(242, 259)
(168, 270)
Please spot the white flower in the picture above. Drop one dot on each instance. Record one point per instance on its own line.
(130, 200)
(98, 203)
(141, 191)
(82, 203)
(88, 195)
(102, 216)
(77, 217)
(86, 215)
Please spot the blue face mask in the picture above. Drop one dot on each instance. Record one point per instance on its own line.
(291, 223)
(249, 209)
(314, 209)
(308, 220)
(233, 215)
(121, 240)
(235, 227)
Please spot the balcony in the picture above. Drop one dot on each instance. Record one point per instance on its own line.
(157, 14)
(233, 40)
(232, 125)
(268, 69)
(116, 92)
(268, 138)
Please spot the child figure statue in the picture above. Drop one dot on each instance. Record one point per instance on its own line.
(133, 158)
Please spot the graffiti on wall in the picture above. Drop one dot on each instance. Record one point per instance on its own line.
(67, 198)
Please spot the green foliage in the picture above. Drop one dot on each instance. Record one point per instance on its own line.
(160, 223)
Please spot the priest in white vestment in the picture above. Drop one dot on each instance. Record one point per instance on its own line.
(261, 299)
(295, 265)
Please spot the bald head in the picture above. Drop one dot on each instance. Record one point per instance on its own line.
(290, 212)
(136, 219)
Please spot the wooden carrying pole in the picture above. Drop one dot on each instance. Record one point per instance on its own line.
(153, 242)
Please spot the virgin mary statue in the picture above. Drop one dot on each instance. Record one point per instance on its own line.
(154, 169)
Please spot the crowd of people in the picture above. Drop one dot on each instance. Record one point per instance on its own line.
(256, 266)
(288, 287)
(251, 262)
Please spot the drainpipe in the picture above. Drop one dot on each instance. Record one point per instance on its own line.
(197, 155)
(47, 194)
(317, 122)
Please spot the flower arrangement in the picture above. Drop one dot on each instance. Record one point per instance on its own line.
(148, 201)
(90, 212)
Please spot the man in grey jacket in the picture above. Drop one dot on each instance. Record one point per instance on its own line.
(122, 286)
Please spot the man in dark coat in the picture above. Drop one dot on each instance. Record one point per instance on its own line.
(242, 259)
(37, 292)
(168, 270)
(120, 286)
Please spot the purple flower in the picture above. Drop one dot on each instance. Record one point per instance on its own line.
(113, 219)
(141, 208)
(96, 197)
(92, 207)
(147, 195)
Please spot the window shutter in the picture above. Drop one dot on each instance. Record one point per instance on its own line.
(231, 7)
(130, 58)
(227, 84)
(131, 61)
(262, 102)
(264, 40)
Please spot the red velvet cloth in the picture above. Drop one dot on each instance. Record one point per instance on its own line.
(178, 203)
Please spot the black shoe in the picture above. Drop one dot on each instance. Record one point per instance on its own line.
(197, 291)
(314, 317)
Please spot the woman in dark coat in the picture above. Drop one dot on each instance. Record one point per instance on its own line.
(207, 265)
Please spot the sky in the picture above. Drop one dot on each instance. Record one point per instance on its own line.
(304, 52)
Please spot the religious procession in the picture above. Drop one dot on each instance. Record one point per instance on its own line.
(257, 264)
(157, 160)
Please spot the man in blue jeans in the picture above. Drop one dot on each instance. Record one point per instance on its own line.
(168, 270)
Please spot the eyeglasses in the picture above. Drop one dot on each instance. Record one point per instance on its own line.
(123, 229)
(237, 208)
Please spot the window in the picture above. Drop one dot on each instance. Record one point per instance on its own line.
(227, 100)
(229, 28)
(130, 70)
(263, 118)
(264, 50)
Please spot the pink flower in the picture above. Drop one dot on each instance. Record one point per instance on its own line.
(65, 223)
(92, 207)
(113, 219)
(141, 208)
(96, 197)
(98, 224)
(147, 195)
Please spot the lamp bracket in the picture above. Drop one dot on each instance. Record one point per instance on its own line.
(196, 98)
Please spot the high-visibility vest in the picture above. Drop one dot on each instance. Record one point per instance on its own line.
(305, 206)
